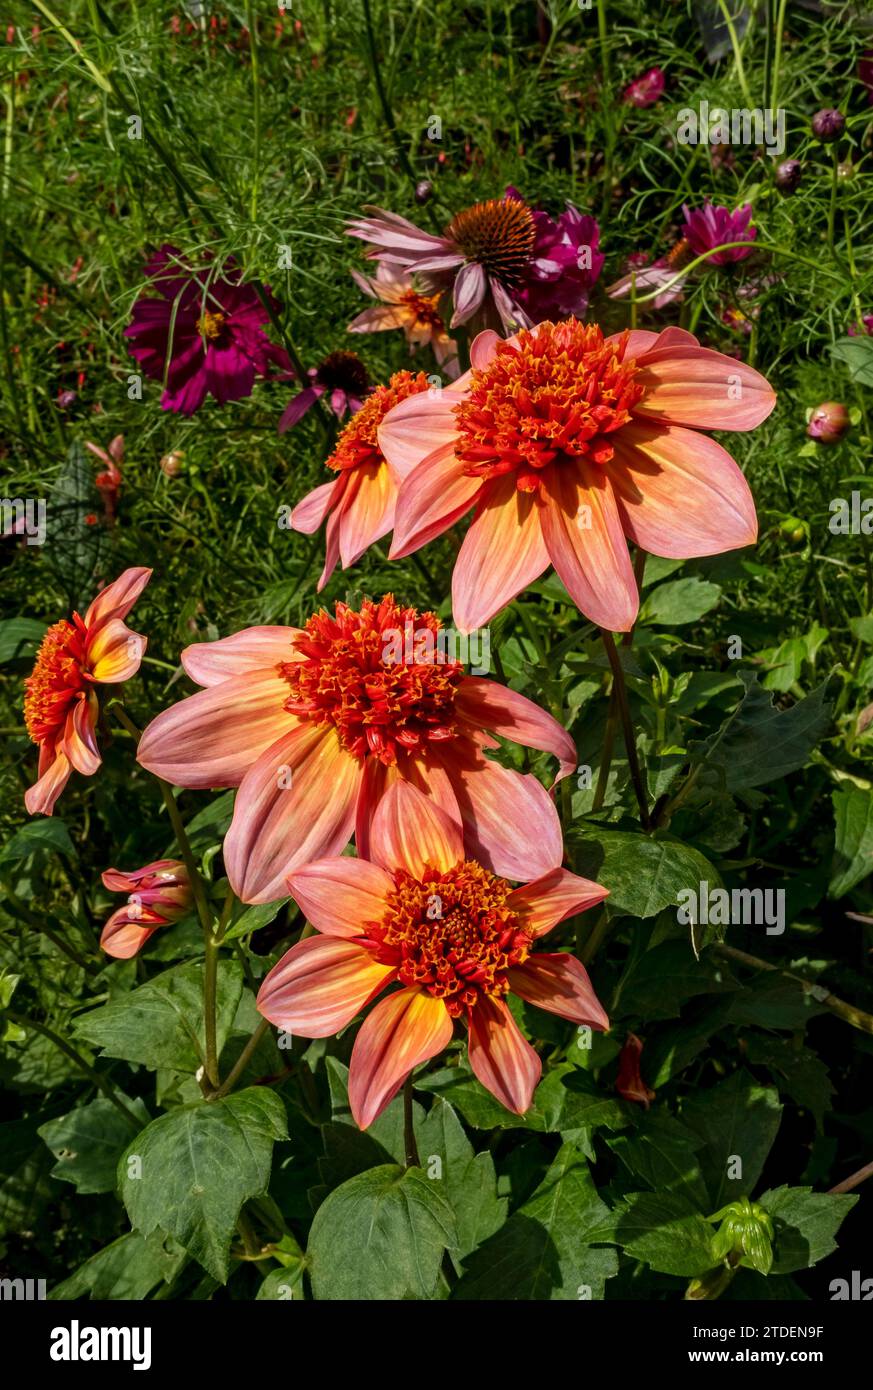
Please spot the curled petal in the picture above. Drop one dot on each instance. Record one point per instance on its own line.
(553, 898)
(254, 649)
(115, 652)
(432, 498)
(415, 427)
(124, 934)
(409, 831)
(311, 510)
(79, 741)
(489, 705)
(117, 599)
(501, 1057)
(41, 797)
(559, 983)
(403, 1030)
(319, 985)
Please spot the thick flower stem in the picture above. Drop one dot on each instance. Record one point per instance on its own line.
(241, 1063)
(620, 690)
(409, 1144)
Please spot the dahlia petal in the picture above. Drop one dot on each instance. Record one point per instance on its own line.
(339, 896)
(502, 552)
(405, 1029)
(415, 427)
(553, 898)
(368, 514)
(311, 510)
(243, 653)
(510, 822)
(409, 831)
(117, 599)
(501, 1057)
(689, 385)
(319, 986)
(211, 739)
(679, 493)
(123, 935)
(331, 547)
(79, 741)
(492, 706)
(584, 536)
(278, 827)
(559, 983)
(639, 340)
(41, 797)
(115, 652)
(432, 498)
(483, 348)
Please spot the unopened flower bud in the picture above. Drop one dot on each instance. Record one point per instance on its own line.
(744, 1236)
(423, 191)
(788, 175)
(828, 422)
(828, 125)
(171, 463)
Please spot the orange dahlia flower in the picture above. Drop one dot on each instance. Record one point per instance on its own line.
(566, 443)
(60, 696)
(359, 503)
(454, 937)
(158, 894)
(314, 725)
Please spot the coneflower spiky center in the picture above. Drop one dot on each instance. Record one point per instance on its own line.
(378, 676)
(555, 392)
(451, 934)
(358, 443)
(499, 235)
(57, 679)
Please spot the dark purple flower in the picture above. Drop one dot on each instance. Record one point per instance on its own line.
(645, 90)
(788, 175)
(709, 226)
(205, 332)
(342, 376)
(828, 125)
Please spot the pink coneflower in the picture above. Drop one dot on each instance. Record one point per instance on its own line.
(507, 265)
(203, 335)
(645, 90)
(342, 377)
(710, 226)
(404, 306)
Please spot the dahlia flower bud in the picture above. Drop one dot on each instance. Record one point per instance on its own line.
(745, 1235)
(788, 175)
(629, 1083)
(828, 125)
(828, 422)
(158, 894)
(423, 191)
(645, 90)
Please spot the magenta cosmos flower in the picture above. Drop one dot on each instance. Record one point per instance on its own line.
(566, 442)
(158, 894)
(710, 226)
(342, 377)
(314, 725)
(646, 90)
(455, 938)
(507, 265)
(203, 333)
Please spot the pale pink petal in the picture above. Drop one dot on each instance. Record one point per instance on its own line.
(501, 1057)
(559, 984)
(583, 532)
(125, 934)
(283, 821)
(379, 318)
(79, 741)
(639, 340)
(502, 552)
(311, 510)
(331, 547)
(416, 426)
(320, 985)
(471, 286)
(483, 348)
(690, 385)
(253, 649)
(41, 797)
(679, 493)
(409, 831)
(432, 498)
(553, 898)
(402, 1031)
(489, 705)
(211, 739)
(510, 822)
(117, 599)
(340, 896)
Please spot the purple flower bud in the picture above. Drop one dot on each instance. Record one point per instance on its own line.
(423, 191)
(66, 399)
(828, 423)
(828, 125)
(788, 175)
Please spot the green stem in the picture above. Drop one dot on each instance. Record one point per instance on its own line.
(738, 52)
(636, 772)
(409, 1145)
(856, 1017)
(242, 1062)
(252, 25)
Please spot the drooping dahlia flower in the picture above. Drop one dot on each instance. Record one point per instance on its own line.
(359, 503)
(710, 226)
(158, 894)
(454, 937)
(402, 305)
(341, 376)
(314, 725)
(567, 442)
(507, 264)
(61, 703)
(204, 334)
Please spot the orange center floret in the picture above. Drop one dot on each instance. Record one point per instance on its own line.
(57, 679)
(451, 934)
(210, 325)
(378, 676)
(422, 310)
(358, 443)
(558, 391)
